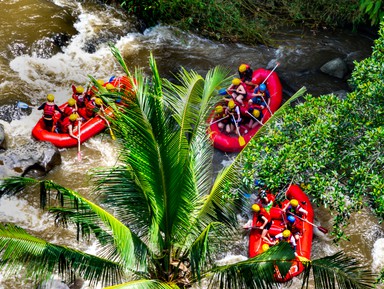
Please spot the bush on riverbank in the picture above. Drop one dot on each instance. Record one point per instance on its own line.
(248, 21)
(332, 146)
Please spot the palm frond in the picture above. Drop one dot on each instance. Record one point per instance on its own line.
(42, 259)
(255, 273)
(116, 53)
(131, 250)
(144, 284)
(13, 185)
(340, 270)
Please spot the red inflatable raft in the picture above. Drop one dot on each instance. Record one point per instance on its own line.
(230, 143)
(88, 128)
(303, 245)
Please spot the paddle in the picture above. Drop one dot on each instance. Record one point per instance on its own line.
(254, 117)
(109, 126)
(277, 64)
(266, 103)
(219, 120)
(21, 104)
(78, 144)
(241, 139)
(321, 229)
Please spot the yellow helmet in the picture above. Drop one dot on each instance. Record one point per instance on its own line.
(294, 202)
(98, 101)
(50, 97)
(255, 208)
(265, 247)
(79, 89)
(236, 81)
(242, 67)
(71, 102)
(100, 81)
(256, 113)
(286, 233)
(110, 86)
(219, 109)
(73, 117)
(231, 104)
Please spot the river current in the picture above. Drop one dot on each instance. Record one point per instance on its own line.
(47, 45)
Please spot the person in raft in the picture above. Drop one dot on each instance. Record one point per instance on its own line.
(70, 108)
(260, 96)
(263, 221)
(91, 108)
(286, 236)
(70, 124)
(237, 91)
(219, 117)
(245, 74)
(233, 111)
(294, 208)
(79, 94)
(49, 107)
(294, 226)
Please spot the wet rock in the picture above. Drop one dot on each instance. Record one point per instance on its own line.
(3, 142)
(9, 112)
(32, 159)
(336, 67)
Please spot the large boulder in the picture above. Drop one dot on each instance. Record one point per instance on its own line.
(30, 159)
(336, 67)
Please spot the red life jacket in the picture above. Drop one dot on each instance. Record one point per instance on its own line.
(64, 124)
(49, 110)
(68, 110)
(90, 108)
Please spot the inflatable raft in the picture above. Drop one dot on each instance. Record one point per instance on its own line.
(230, 142)
(88, 128)
(303, 244)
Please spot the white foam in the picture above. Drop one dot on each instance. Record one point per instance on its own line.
(378, 255)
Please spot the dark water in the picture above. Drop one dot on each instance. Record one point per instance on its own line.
(48, 45)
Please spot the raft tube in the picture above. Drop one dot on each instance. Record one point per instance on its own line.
(230, 143)
(304, 244)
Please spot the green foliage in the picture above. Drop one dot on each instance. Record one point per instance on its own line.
(333, 147)
(374, 9)
(251, 22)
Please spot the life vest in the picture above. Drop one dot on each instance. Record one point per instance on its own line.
(68, 110)
(49, 110)
(64, 124)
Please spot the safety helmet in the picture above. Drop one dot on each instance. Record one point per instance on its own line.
(98, 101)
(265, 247)
(73, 117)
(231, 104)
(236, 81)
(79, 89)
(291, 219)
(71, 102)
(286, 233)
(256, 113)
(100, 81)
(219, 109)
(243, 67)
(255, 208)
(294, 202)
(109, 86)
(50, 97)
(263, 87)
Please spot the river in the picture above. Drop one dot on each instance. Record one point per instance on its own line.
(47, 45)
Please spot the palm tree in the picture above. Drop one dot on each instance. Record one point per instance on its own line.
(159, 218)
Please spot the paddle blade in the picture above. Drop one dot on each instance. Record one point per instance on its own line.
(21, 104)
(241, 141)
(79, 156)
(303, 259)
(322, 229)
(112, 134)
